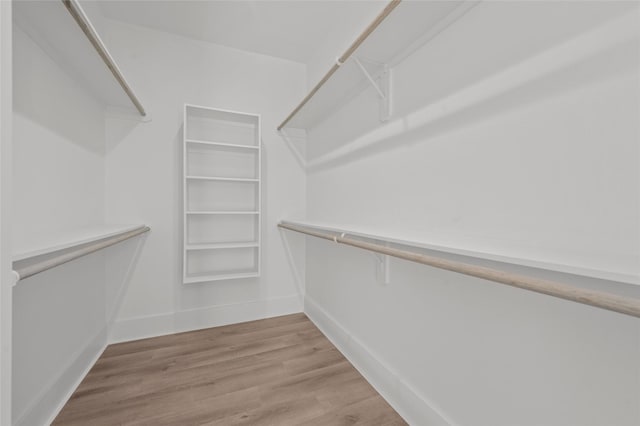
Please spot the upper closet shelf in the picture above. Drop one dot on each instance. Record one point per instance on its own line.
(61, 28)
(395, 33)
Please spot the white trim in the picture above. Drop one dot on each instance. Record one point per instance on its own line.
(413, 407)
(7, 279)
(194, 319)
(52, 398)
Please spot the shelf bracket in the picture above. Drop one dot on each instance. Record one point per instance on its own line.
(290, 140)
(380, 81)
(383, 268)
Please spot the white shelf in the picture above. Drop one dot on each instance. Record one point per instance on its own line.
(220, 212)
(223, 179)
(220, 277)
(84, 56)
(222, 144)
(217, 246)
(69, 239)
(398, 31)
(531, 263)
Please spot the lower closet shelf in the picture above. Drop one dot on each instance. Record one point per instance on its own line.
(216, 262)
(61, 248)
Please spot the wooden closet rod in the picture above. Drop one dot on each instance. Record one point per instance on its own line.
(95, 41)
(36, 268)
(341, 60)
(611, 302)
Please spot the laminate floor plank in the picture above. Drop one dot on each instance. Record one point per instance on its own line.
(279, 371)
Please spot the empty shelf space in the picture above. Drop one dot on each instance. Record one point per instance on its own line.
(221, 161)
(221, 229)
(204, 124)
(220, 264)
(221, 195)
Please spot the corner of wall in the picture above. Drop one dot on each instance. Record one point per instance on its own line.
(414, 408)
(45, 407)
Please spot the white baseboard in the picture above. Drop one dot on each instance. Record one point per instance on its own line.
(195, 319)
(414, 408)
(49, 402)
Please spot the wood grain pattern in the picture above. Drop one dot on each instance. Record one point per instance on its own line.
(279, 371)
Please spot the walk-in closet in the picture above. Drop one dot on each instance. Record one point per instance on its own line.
(320, 212)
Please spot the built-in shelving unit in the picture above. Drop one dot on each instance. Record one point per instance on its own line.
(222, 195)
(63, 30)
(399, 29)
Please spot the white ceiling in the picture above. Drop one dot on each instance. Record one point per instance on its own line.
(287, 29)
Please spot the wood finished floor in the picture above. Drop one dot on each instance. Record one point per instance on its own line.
(279, 371)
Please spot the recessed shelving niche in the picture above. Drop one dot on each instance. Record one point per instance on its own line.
(222, 195)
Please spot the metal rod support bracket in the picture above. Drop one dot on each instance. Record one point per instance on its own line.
(383, 270)
(381, 83)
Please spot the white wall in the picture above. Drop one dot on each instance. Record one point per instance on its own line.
(58, 181)
(58, 185)
(6, 280)
(144, 177)
(514, 133)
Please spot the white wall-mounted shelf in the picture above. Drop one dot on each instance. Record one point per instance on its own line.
(222, 195)
(48, 244)
(481, 255)
(468, 265)
(400, 28)
(60, 248)
(62, 29)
